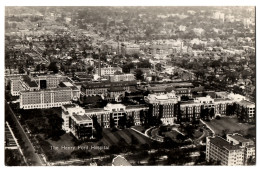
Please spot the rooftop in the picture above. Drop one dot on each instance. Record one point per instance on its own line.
(239, 138)
(82, 117)
(29, 82)
(135, 106)
(246, 103)
(69, 106)
(190, 102)
(114, 89)
(94, 110)
(222, 143)
(120, 161)
(221, 99)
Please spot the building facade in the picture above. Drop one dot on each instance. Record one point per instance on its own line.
(106, 71)
(101, 88)
(122, 77)
(47, 98)
(234, 151)
(163, 106)
(75, 116)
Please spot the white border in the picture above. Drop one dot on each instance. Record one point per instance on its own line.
(117, 3)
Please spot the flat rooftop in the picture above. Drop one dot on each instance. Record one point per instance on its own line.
(82, 117)
(222, 143)
(247, 103)
(69, 106)
(240, 138)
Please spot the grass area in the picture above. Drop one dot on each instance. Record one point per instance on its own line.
(139, 128)
(231, 125)
(197, 134)
(172, 134)
(113, 138)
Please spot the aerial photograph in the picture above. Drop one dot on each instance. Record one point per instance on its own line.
(129, 86)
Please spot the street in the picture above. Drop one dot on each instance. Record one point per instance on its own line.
(33, 156)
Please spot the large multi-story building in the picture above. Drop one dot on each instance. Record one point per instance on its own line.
(221, 106)
(106, 71)
(49, 81)
(101, 88)
(163, 106)
(78, 121)
(122, 77)
(47, 98)
(189, 111)
(245, 110)
(43, 91)
(15, 86)
(32, 83)
(234, 151)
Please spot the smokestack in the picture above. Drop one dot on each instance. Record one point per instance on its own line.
(99, 68)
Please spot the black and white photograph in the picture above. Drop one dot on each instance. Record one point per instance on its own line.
(129, 85)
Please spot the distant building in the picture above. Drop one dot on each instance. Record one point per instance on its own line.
(109, 70)
(101, 88)
(122, 77)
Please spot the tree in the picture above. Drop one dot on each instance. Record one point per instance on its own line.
(90, 69)
(178, 157)
(144, 64)
(130, 121)
(97, 127)
(127, 67)
(158, 67)
(21, 70)
(201, 158)
(237, 90)
(122, 121)
(134, 141)
(251, 161)
(53, 67)
(112, 122)
(81, 154)
(55, 126)
(152, 160)
(211, 113)
(139, 74)
(189, 130)
(180, 137)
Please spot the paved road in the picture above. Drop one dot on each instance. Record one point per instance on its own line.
(33, 156)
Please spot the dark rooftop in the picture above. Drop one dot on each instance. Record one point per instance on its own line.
(82, 117)
(69, 106)
(29, 82)
(115, 89)
(222, 143)
(240, 138)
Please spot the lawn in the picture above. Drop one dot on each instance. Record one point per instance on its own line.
(230, 124)
(113, 138)
(172, 134)
(139, 128)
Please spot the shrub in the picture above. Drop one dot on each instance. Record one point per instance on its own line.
(218, 117)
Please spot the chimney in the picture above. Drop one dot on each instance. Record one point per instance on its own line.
(99, 68)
